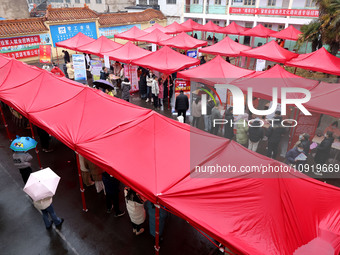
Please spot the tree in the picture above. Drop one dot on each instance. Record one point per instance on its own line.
(326, 29)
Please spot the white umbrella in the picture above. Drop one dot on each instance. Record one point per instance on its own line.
(42, 184)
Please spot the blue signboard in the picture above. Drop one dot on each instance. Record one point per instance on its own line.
(79, 67)
(109, 32)
(192, 53)
(63, 32)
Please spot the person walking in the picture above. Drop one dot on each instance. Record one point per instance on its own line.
(126, 86)
(196, 112)
(324, 148)
(242, 130)
(136, 211)
(111, 185)
(207, 117)
(215, 114)
(161, 93)
(142, 84)
(274, 134)
(70, 71)
(229, 126)
(44, 139)
(255, 134)
(22, 160)
(66, 56)
(149, 80)
(47, 210)
(152, 219)
(182, 104)
(155, 91)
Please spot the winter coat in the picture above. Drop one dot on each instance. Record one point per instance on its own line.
(103, 75)
(57, 71)
(22, 159)
(126, 86)
(306, 146)
(142, 84)
(323, 150)
(256, 132)
(135, 209)
(291, 155)
(70, 71)
(228, 128)
(111, 184)
(43, 203)
(196, 109)
(210, 106)
(154, 87)
(149, 81)
(242, 132)
(161, 91)
(182, 102)
(274, 134)
(215, 114)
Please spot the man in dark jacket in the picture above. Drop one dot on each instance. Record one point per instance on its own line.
(66, 56)
(104, 74)
(274, 134)
(182, 104)
(229, 128)
(293, 154)
(324, 149)
(255, 134)
(111, 185)
(305, 143)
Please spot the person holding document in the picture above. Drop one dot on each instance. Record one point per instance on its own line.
(296, 156)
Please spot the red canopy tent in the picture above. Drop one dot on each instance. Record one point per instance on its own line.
(166, 61)
(226, 47)
(259, 31)
(183, 41)
(248, 214)
(233, 29)
(270, 51)
(210, 27)
(325, 99)
(132, 34)
(102, 44)
(156, 26)
(319, 61)
(127, 53)
(192, 25)
(155, 36)
(263, 82)
(76, 41)
(215, 71)
(289, 33)
(176, 28)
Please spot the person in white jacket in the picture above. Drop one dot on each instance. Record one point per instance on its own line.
(45, 206)
(155, 90)
(135, 208)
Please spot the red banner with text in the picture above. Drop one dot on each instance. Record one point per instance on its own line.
(23, 54)
(45, 53)
(276, 12)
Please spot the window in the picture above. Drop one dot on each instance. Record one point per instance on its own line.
(267, 25)
(153, 2)
(196, 1)
(280, 27)
(67, 1)
(87, 1)
(218, 2)
(170, 1)
(77, 1)
(271, 3)
(248, 2)
(98, 1)
(216, 22)
(310, 3)
(143, 2)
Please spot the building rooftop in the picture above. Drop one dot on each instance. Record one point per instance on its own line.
(22, 26)
(114, 19)
(65, 14)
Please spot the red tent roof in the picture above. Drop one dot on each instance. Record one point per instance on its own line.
(233, 29)
(215, 71)
(154, 37)
(183, 41)
(176, 28)
(325, 99)
(192, 25)
(250, 214)
(132, 34)
(102, 44)
(76, 41)
(226, 47)
(270, 51)
(319, 61)
(166, 61)
(289, 33)
(127, 53)
(210, 27)
(156, 25)
(259, 31)
(263, 82)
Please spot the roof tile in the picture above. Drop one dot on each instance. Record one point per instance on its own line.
(114, 19)
(22, 26)
(62, 14)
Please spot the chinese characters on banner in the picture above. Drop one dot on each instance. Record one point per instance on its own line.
(185, 86)
(109, 32)
(276, 12)
(45, 53)
(19, 40)
(131, 73)
(23, 54)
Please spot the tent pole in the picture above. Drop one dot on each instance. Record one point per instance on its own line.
(295, 70)
(168, 91)
(254, 64)
(82, 190)
(36, 149)
(5, 123)
(56, 51)
(157, 229)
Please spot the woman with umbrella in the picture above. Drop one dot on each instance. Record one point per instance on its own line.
(21, 158)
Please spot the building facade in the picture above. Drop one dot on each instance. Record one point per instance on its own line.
(96, 5)
(19, 10)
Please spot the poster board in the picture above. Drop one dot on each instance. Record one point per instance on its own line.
(45, 54)
(79, 67)
(130, 72)
(96, 67)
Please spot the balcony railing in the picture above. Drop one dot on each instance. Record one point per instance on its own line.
(193, 8)
(217, 9)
